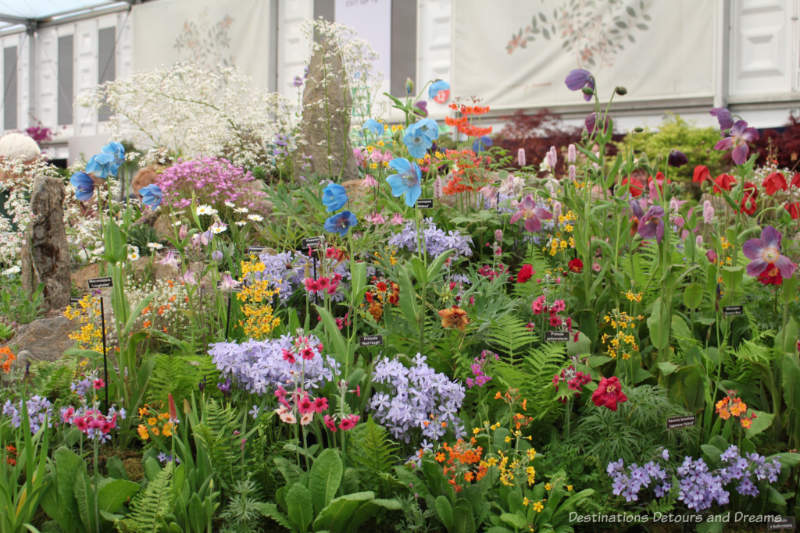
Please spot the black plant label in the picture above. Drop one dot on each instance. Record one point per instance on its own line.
(100, 283)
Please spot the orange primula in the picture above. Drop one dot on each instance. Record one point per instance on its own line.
(731, 405)
(6, 358)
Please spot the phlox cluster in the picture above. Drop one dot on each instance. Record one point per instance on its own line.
(260, 366)
(40, 410)
(436, 240)
(419, 399)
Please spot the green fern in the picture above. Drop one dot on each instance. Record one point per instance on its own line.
(216, 434)
(372, 448)
(509, 336)
(533, 377)
(149, 508)
(535, 258)
(179, 375)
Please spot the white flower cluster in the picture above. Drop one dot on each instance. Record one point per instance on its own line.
(194, 111)
(19, 147)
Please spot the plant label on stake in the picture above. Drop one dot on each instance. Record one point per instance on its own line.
(556, 336)
(424, 203)
(733, 310)
(370, 340)
(255, 250)
(102, 283)
(782, 523)
(680, 422)
(312, 243)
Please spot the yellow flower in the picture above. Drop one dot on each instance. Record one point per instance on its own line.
(548, 486)
(569, 488)
(508, 438)
(143, 434)
(152, 421)
(538, 506)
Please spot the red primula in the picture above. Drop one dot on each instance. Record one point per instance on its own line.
(609, 393)
(775, 182)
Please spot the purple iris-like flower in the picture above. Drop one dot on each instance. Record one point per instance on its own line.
(650, 224)
(723, 117)
(766, 251)
(580, 79)
(422, 107)
(738, 137)
(533, 214)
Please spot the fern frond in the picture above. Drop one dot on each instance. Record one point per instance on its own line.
(149, 508)
(373, 449)
(509, 336)
(533, 377)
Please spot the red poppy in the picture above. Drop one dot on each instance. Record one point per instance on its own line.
(775, 182)
(576, 265)
(724, 182)
(636, 186)
(748, 204)
(660, 179)
(701, 174)
(796, 180)
(793, 209)
(771, 275)
(525, 273)
(609, 393)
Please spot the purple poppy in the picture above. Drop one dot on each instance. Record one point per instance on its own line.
(723, 117)
(580, 79)
(533, 214)
(677, 158)
(766, 251)
(738, 137)
(650, 224)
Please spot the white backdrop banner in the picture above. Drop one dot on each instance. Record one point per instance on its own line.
(233, 32)
(516, 53)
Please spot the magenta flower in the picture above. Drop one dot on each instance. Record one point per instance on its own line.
(650, 224)
(723, 117)
(765, 253)
(738, 137)
(532, 214)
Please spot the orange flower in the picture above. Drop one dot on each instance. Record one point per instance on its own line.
(7, 357)
(439, 457)
(746, 423)
(147, 323)
(738, 407)
(143, 434)
(454, 317)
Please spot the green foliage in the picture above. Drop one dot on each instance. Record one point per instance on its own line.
(151, 506)
(677, 134)
(16, 305)
(139, 235)
(178, 374)
(371, 448)
(533, 377)
(242, 512)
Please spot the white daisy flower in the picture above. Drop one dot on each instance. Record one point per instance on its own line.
(206, 210)
(230, 204)
(133, 256)
(218, 227)
(241, 223)
(155, 245)
(255, 218)
(177, 223)
(241, 210)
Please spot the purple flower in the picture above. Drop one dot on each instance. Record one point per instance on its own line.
(580, 79)
(723, 117)
(341, 223)
(766, 252)
(420, 402)
(531, 213)
(650, 224)
(738, 137)
(298, 81)
(677, 158)
(217, 255)
(436, 240)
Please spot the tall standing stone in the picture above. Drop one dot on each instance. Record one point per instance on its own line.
(324, 147)
(45, 254)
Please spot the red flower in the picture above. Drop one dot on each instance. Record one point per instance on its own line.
(99, 384)
(330, 423)
(793, 209)
(701, 174)
(636, 186)
(659, 180)
(609, 393)
(724, 182)
(775, 182)
(525, 273)
(576, 265)
(748, 204)
(349, 422)
(796, 180)
(320, 404)
(771, 275)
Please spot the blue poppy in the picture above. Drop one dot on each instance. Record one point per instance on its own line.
(439, 91)
(374, 126)
(481, 143)
(151, 196)
(84, 186)
(419, 136)
(102, 165)
(334, 196)
(340, 223)
(407, 181)
(581, 80)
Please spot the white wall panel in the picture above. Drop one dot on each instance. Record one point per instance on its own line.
(293, 49)
(434, 45)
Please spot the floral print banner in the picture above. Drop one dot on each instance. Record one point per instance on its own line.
(516, 56)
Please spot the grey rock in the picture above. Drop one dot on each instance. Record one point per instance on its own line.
(45, 254)
(44, 339)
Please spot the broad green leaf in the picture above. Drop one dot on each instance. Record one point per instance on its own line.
(325, 478)
(336, 515)
(300, 507)
(693, 295)
(444, 511)
(761, 422)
